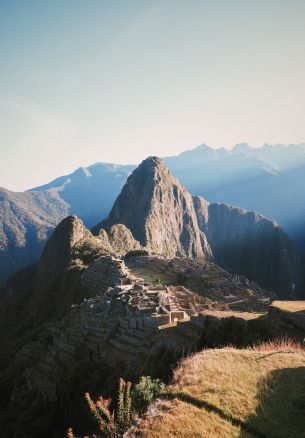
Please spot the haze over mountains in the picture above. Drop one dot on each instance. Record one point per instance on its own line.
(266, 180)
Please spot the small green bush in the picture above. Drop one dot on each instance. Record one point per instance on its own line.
(145, 392)
(136, 253)
(247, 293)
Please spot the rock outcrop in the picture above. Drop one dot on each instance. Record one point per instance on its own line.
(159, 212)
(122, 240)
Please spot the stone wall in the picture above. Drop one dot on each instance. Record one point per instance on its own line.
(105, 272)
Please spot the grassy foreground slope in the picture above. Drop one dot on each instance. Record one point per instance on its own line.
(233, 393)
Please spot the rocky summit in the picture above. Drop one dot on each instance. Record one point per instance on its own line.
(167, 220)
(159, 212)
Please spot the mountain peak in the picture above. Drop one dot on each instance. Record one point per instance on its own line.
(241, 148)
(57, 253)
(153, 164)
(158, 211)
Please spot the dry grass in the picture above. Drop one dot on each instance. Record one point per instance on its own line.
(234, 393)
(230, 313)
(178, 419)
(290, 306)
(285, 344)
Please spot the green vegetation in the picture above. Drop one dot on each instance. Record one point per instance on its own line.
(246, 293)
(136, 253)
(113, 424)
(144, 393)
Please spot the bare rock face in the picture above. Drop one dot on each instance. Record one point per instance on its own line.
(122, 240)
(248, 243)
(104, 239)
(118, 240)
(159, 212)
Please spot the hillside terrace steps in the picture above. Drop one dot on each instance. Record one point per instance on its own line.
(118, 325)
(104, 272)
(124, 347)
(132, 339)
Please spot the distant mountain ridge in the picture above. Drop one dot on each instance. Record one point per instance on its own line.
(267, 180)
(90, 191)
(27, 219)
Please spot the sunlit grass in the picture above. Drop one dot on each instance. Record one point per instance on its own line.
(234, 393)
(290, 306)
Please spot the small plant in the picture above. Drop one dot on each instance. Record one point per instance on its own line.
(110, 424)
(124, 406)
(145, 392)
(70, 433)
(136, 253)
(247, 293)
(102, 415)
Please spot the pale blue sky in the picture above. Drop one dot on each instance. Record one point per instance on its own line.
(87, 81)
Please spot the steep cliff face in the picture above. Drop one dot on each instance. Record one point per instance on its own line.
(159, 212)
(248, 243)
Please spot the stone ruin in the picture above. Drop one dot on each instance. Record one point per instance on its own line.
(131, 327)
(128, 322)
(106, 271)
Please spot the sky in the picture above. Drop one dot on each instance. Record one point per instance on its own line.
(117, 81)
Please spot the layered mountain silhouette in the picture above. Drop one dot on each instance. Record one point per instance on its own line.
(267, 180)
(28, 219)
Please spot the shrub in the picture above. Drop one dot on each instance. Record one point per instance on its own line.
(110, 424)
(145, 392)
(136, 253)
(247, 293)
